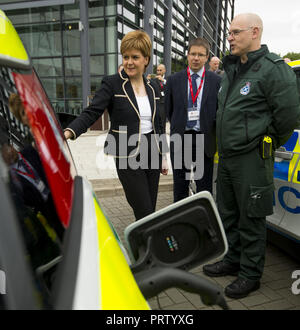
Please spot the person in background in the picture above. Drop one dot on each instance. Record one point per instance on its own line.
(17, 109)
(136, 135)
(191, 105)
(41, 228)
(161, 73)
(214, 64)
(160, 79)
(287, 60)
(257, 113)
(27, 171)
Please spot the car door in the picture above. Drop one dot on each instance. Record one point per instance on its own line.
(290, 223)
(286, 217)
(283, 156)
(289, 194)
(286, 178)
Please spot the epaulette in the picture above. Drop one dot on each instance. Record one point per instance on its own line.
(274, 58)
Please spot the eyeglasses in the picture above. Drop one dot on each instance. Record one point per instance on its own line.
(197, 54)
(235, 33)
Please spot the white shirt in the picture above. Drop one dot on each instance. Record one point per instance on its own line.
(145, 114)
(199, 98)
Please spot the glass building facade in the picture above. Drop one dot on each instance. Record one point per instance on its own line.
(74, 43)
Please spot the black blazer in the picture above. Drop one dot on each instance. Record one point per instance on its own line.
(176, 102)
(161, 87)
(117, 96)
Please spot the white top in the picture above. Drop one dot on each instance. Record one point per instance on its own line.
(145, 113)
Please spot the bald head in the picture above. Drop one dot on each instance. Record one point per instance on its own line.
(215, 59)
(250, 20)
(161, 70)
(214, 63)
(245, 35)
(9, 154)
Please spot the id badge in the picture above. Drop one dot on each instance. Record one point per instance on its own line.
(193, 114)
(44, 191)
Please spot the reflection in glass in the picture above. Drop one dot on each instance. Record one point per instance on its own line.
(71, 11)
(97, 66)
(29, 191)
(72, 66)
(19, 16)
(127, 29)
(112, 64)
(41, 40)
(96, 8)
(111, 7)
(120, 9)
(58, 105)
(96, 36)
(95, 84)
(34, 15)
(74, 106)
(120, 27)
(71, 39)
(131, 11)
(120, 59)
(53, 87)
(48, 66)
(73, 88)
(129, 14)
(111, 35)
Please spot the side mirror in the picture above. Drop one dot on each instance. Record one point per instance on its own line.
(167, 243)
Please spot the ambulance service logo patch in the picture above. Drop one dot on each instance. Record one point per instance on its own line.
(246, 89)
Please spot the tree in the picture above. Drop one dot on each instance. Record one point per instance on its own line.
(292, 56)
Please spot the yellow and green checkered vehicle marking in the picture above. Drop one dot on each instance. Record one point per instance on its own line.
(12, 51)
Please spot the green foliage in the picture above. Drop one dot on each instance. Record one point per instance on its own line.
(292, 56)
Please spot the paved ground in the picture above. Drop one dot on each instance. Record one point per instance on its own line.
(274, 294)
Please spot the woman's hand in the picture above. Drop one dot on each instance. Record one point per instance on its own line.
(68, 134)
(164, 166)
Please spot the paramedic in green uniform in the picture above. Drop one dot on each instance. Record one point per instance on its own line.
(258, 109)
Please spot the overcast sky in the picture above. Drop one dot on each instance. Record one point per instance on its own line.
(281, 22)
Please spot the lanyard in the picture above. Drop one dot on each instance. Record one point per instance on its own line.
(32, 176)
(191, 86)
(30, 172)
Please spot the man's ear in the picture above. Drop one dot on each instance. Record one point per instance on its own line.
(255, 31)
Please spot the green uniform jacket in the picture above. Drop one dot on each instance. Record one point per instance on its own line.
(255, 99)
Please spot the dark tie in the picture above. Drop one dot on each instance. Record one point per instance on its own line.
(191, 124)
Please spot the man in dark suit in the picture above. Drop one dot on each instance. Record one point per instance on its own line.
(160, 80)
(191, 105)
